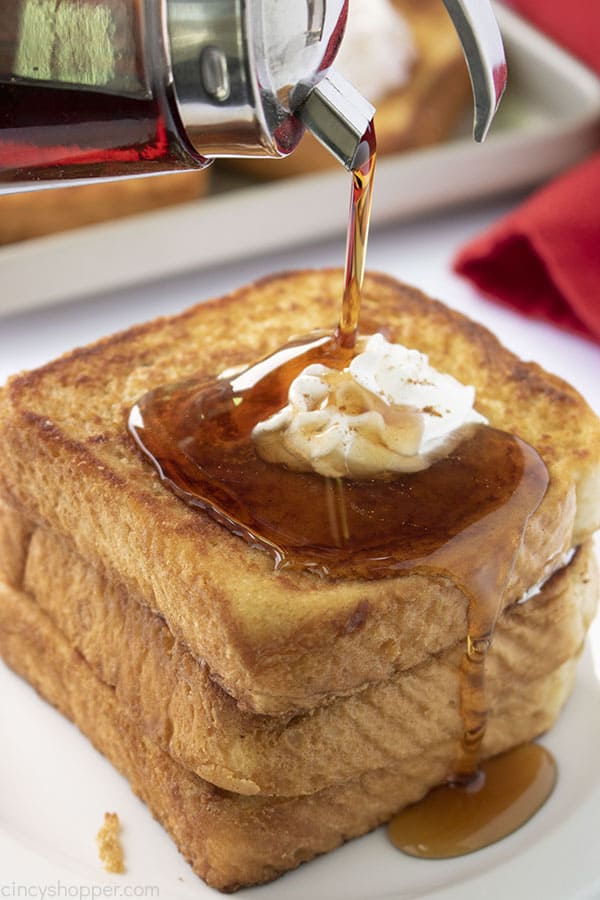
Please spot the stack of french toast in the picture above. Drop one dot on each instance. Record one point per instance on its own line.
(267, 716)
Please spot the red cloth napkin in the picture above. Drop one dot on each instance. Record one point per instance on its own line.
(575, 24)
(544, 258)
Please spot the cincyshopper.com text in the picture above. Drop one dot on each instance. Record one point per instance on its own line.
(59, 891)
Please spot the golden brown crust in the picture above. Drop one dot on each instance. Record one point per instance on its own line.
(15, 538)
(276, 642)
(229, 840)
(37, 213)
(173, 700)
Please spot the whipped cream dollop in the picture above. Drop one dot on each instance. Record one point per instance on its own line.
(377, 51)
(388, 412)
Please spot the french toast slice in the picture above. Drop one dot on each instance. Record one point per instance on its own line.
(286, 641)
(231, 840)
(170, 697)
(419, 114)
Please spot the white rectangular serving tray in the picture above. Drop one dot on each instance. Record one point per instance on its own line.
(549, 119)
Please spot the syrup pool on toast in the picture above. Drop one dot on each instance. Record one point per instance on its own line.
(463, 518)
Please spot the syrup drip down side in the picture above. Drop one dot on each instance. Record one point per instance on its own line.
(443, 521)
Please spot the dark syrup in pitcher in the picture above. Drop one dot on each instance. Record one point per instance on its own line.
(82, 95)
(464, 518)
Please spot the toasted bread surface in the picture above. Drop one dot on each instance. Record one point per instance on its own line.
(284, 641)
(15, 537)
(421, 113)
(172, 699)
(232, 841)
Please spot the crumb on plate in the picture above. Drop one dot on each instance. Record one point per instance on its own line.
(109, 844)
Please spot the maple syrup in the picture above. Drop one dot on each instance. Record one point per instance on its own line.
(47, 133)
(453, 821)
(361, 198)
(462, 518)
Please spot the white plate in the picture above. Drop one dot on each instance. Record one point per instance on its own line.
(55, 789)
(548, 121)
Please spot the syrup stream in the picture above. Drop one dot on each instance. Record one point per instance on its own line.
(361, 198)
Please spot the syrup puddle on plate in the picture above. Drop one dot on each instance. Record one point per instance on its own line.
(454, 820)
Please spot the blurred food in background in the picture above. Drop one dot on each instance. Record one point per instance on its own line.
(405, 57)
(41, 212)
